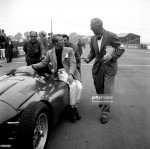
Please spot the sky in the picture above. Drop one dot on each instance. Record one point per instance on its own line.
(119, 16)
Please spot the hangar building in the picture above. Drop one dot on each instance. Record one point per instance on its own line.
(129, 38)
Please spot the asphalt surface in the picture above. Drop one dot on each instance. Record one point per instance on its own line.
(129, 121)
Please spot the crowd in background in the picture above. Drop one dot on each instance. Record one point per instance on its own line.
(2, 43)
(7, 48)
(11, 49)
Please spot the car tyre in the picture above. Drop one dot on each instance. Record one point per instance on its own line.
(34, 127)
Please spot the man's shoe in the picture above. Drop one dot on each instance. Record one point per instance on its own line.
(78, 116)
(72, 115)
(104, 119)
(100, 105)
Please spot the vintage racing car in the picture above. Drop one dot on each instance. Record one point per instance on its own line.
(30, 105)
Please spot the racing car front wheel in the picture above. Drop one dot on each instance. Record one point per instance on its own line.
(34, 127)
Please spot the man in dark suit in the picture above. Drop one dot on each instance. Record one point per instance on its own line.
(79, 47)
(9, 49)
(67, 43)
(105, 66)
(33, 49)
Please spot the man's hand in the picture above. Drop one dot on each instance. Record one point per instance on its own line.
(85, 59)
(11, 72)
(70, 78)
(42, 57)
(107, 58)
(26, 69)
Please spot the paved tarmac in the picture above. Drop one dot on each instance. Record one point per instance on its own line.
(129, 123)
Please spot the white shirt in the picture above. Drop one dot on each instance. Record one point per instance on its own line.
(99, 42)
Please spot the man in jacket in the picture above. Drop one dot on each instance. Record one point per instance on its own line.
(79, 47)
(33, 49)
(67, 43)
(44, 41)
(105, 66)
(9, 49)
(63, 63)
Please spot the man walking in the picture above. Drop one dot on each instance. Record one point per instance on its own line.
(105, 66)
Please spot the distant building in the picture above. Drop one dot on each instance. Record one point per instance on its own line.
(129, 38)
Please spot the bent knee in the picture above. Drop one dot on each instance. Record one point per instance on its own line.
(79, 84)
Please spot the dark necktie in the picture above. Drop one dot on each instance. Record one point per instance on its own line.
(99, 37)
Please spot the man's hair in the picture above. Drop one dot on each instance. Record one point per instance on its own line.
(33, 33)
(64, 35)
(96, 22)
(54, 38)
(43, 35)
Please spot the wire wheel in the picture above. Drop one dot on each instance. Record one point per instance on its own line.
(40, 132)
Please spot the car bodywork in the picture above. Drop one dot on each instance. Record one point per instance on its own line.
(18, 91)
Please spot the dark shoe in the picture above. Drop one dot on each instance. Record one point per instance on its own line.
(72, 115)
(78, 116)
(104, 119)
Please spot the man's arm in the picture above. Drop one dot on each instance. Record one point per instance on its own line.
(78, 59)
(43, 50)
(116, 43)
(43, 63)
(25, 47)
(72, 59)
(46, 44)
(76, 53)
(91, 55)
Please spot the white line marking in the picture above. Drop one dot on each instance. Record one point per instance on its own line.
(18, 62)
(139, 51)
(134, 65)
(123, 65)
(138, 58)
(11, 62)
(131, 65)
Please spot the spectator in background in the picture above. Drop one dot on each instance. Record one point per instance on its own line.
(67, 43)
(15, 51)
(44, 41)
(3, 37)
(33, 49)
(27, 37)
(50, 44)
(9, 49)
(2, 43)
(0, 37)
(79, 47)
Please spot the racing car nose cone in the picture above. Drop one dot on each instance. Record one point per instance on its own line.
(6, 112)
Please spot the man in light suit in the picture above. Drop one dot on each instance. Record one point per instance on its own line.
(105, 66)
(63, 62)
